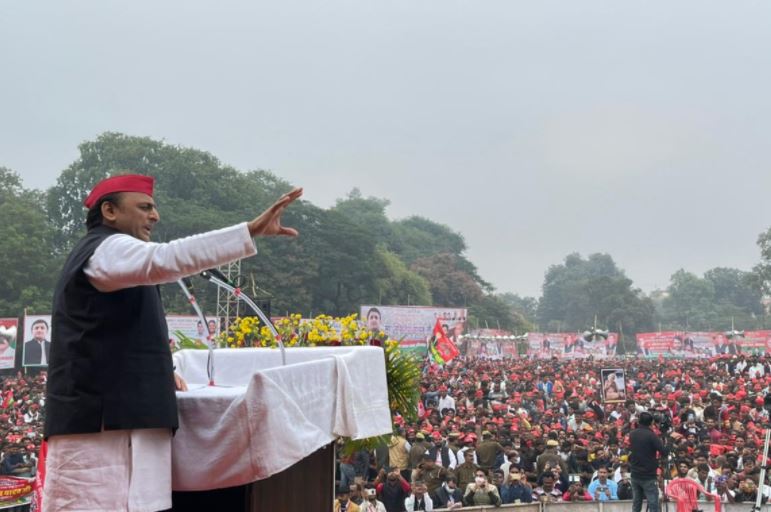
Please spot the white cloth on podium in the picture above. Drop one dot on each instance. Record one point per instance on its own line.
(262, 417)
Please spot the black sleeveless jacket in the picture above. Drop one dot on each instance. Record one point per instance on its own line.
(110, 366)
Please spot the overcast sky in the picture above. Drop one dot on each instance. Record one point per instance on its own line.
(534, 128)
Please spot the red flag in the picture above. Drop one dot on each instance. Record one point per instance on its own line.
(443, 346)
(36, 504)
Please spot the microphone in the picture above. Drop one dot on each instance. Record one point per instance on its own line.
(213, 272)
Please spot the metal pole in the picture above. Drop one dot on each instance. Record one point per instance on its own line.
(202, 318)
(762, 480)
(238, 294)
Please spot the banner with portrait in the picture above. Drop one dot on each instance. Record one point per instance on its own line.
(490, 344)
(192, 327)
(695, 344)
(755, 342)
(37, 344)
(9, 328)
(613, 385)
(565, 345)
(413, 325)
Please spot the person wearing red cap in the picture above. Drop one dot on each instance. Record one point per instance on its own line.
(111, 404)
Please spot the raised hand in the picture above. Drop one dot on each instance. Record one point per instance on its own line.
(269, 221)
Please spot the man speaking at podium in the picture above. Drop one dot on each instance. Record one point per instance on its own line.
(111, 406)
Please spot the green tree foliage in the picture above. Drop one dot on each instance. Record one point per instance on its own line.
(369, 213)
(347, 255)
(713, 301)
(29, 268)
(417, 239)
(494, 312)
(525, 307)
(578, 289)
(761, 275)
(736, 288)
(397, 284)
(450, 284)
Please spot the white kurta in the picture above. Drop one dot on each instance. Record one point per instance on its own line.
(130, 470)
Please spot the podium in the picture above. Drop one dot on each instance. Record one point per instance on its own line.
(245, 443)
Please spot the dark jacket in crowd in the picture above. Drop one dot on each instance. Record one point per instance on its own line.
(644, 446)
(511, 493)
(442, 496)
(393, 496)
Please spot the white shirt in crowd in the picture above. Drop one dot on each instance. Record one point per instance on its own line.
(409, 503)
(447, 402)
(372, 506)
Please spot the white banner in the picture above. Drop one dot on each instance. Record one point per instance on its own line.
(413, 325)
(37, 336)
(192, 327)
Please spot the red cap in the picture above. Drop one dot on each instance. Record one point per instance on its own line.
(122, 183)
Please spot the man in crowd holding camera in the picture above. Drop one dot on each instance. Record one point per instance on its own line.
(645, 447)
(603, 489)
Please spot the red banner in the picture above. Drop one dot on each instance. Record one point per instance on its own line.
(683, 344)
(13, 488)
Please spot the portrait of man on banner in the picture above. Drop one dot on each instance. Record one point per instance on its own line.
(37, 329)
(613, 382)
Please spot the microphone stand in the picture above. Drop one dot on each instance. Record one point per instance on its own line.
(763, 467)
(216, 277)
(187, 289)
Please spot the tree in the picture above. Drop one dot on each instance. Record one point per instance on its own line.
(417, 238)
(526, 307)
(397, 284)
(578, 289)
(724, 296)
(736, 288)
(347, 255)
(368, 213)
(494, 312)
(29, 269)
(690, 302)
(762, 271)
(450, 284)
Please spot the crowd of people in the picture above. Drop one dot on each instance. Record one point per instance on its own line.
(493, 432)
(21, 423)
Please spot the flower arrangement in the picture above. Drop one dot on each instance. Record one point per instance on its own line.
(295, 331)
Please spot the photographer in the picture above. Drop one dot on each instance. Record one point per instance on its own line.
(576, 492)
(645, 446)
